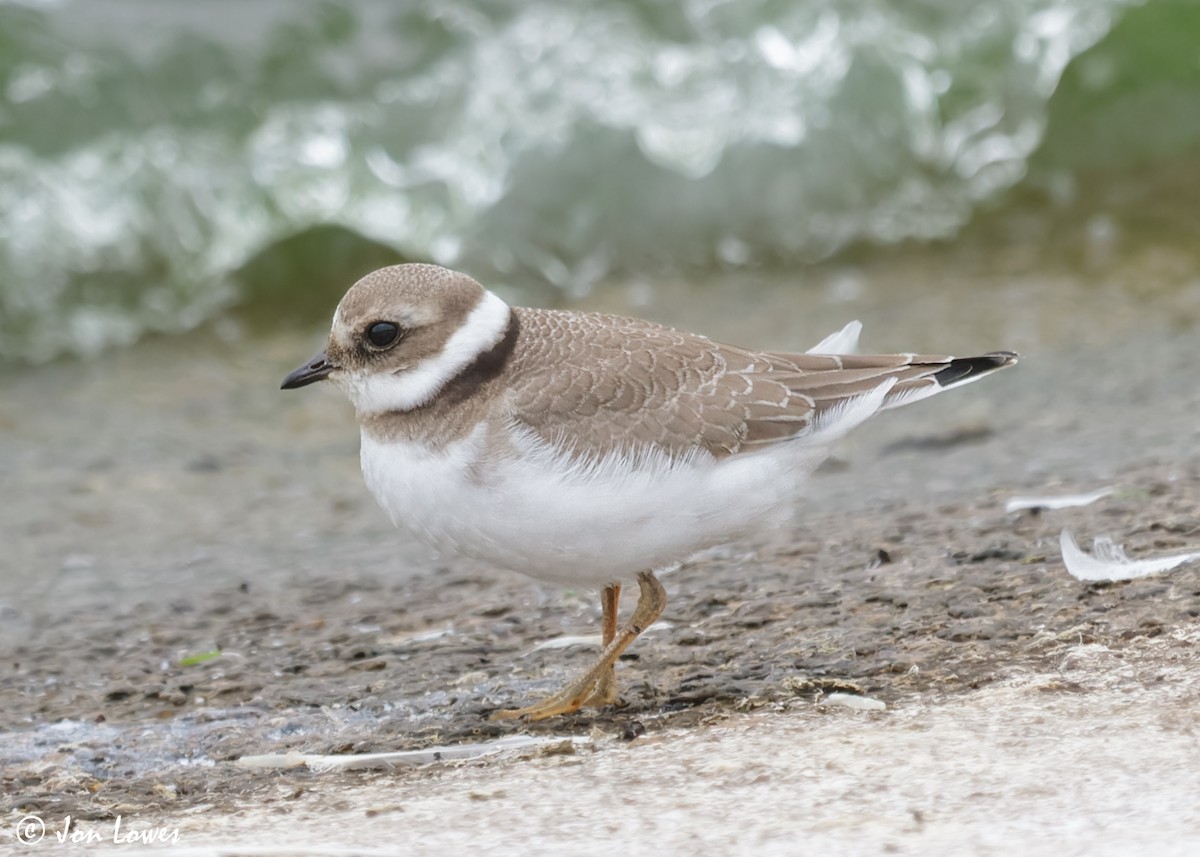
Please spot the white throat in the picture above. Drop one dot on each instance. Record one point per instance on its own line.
(379, 393)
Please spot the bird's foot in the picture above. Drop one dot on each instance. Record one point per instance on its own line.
(598, 686)
(567, 701)
(605, 692)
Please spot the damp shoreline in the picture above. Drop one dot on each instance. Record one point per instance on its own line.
(174, 505)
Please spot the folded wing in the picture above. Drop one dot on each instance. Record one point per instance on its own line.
(629, 386)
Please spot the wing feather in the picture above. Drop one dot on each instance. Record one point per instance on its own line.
(618, 385)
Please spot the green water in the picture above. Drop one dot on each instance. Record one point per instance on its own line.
(164, 163)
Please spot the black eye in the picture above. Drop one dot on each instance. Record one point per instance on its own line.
(381, 334)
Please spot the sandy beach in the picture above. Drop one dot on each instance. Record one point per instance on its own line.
(214, 643)
(172, 505)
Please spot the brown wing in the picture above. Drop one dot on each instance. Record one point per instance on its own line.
(616, 384)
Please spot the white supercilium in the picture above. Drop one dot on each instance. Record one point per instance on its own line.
(378, 393)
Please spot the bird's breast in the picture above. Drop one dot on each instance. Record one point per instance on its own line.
(528, 507)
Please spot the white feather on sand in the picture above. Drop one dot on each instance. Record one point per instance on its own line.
(1109, 562)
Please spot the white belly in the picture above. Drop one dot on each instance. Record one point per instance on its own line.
(535, 512)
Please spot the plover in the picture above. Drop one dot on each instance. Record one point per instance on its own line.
(589, 449)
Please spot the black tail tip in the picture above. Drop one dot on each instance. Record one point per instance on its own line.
(963, 369)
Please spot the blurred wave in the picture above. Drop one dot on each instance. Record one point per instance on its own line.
(152, 152)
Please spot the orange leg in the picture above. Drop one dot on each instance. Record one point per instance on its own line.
(651, 601)
(606, 691)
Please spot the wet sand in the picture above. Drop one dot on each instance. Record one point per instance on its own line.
(171, 503)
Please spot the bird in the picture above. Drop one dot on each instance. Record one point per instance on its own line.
(588, 449)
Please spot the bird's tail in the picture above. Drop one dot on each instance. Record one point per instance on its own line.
(935, 374)
(847, 393)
